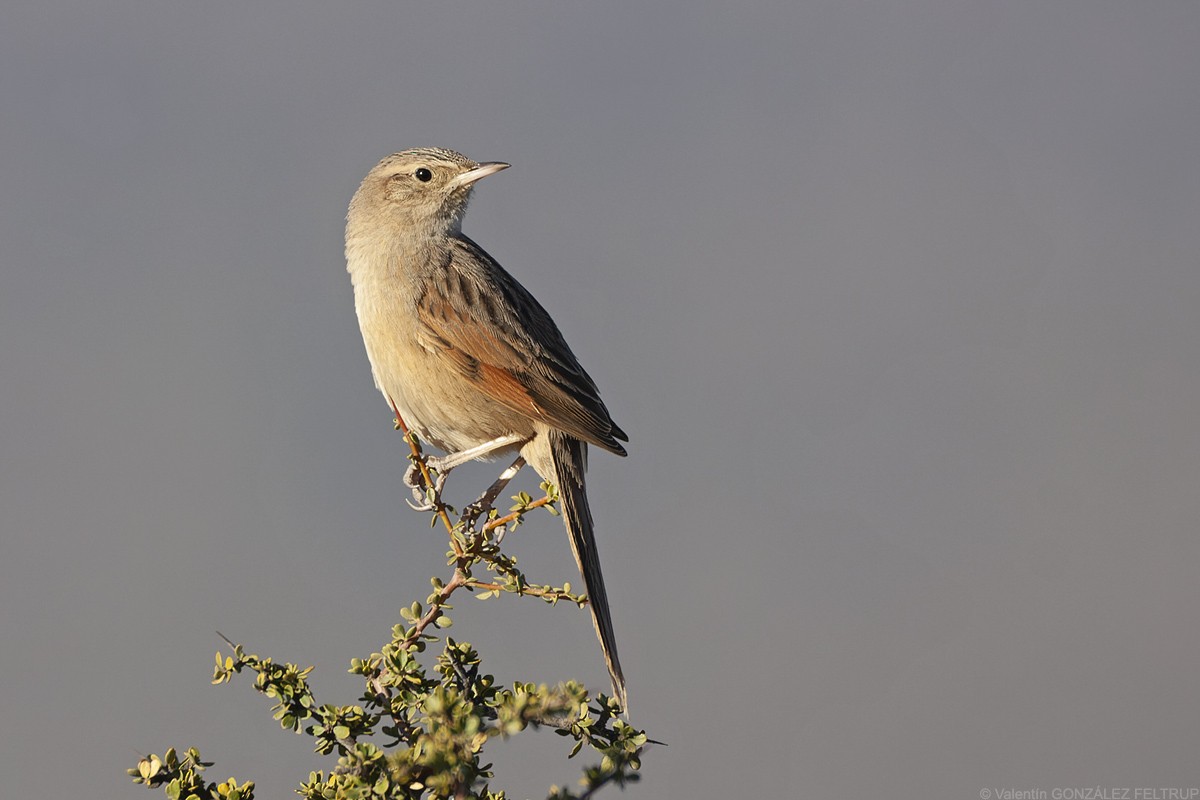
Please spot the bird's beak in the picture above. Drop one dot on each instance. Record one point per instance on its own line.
(481, 171)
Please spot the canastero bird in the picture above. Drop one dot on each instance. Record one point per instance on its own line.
(464, 354)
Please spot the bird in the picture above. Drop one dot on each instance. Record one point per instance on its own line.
(464, 354)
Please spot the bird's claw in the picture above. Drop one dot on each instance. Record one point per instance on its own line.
(475, 511)
(421, 504)
(425, 500)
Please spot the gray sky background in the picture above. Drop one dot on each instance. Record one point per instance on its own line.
(898, 302)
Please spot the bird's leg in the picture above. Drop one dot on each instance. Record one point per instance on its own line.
(444, 464)
(484, 503)
(452, 460)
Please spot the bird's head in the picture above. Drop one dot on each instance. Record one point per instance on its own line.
(424, 190)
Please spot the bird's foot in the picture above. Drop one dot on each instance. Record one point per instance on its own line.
(426, 499)
(483, 505)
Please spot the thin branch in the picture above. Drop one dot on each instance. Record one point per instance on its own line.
(419, 459)
(404, 729)
(435, 608)
(496, 523)
(533, 591)
(599, 785)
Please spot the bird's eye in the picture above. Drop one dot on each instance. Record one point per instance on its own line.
(423, 175)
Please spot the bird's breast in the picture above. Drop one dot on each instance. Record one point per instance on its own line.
(442, 405)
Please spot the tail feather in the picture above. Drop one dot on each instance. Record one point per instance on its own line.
(570, 462)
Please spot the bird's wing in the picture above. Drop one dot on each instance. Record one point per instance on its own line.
(494, 333)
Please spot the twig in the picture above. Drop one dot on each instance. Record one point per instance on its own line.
(404, 729)
(435, 608)
(496, 523)
(419, 458)
(533, 591)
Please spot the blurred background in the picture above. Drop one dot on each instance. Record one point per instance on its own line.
(897, 301)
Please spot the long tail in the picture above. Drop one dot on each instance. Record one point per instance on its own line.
(570, 463)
